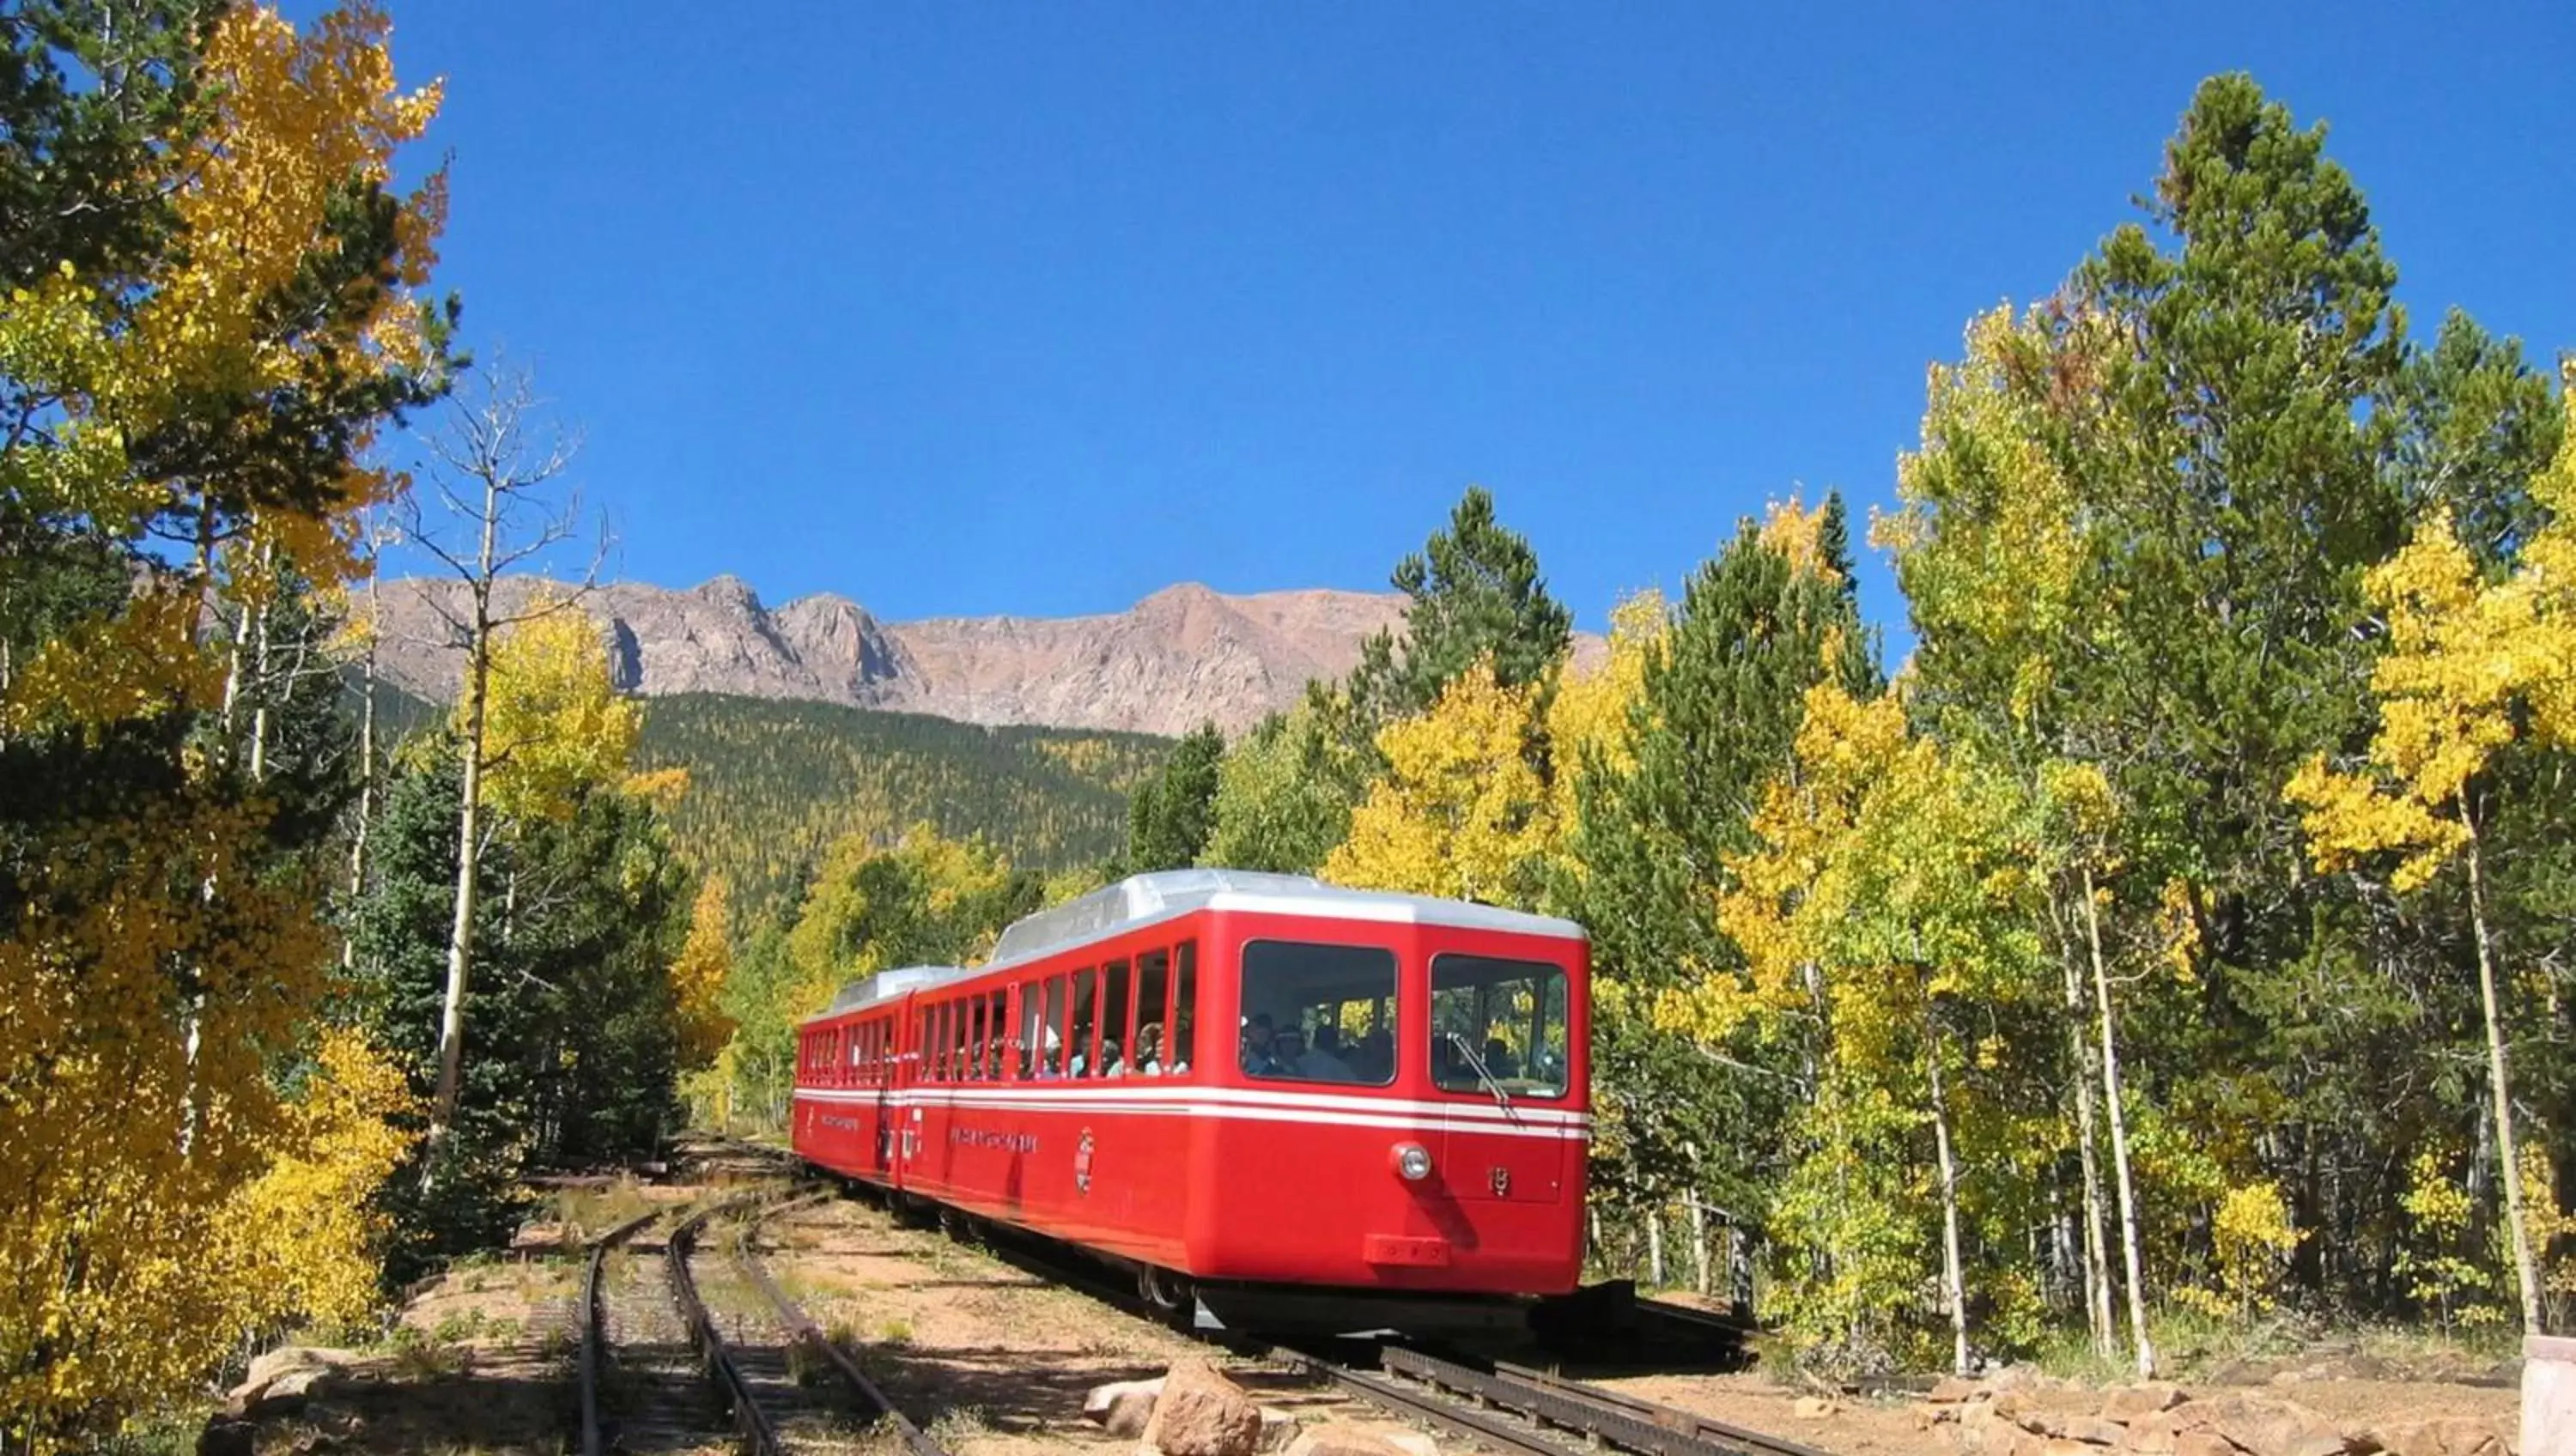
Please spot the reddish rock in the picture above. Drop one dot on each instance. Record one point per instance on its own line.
(2088, 1430)
(2130, 1402)
(1201, 1413)
(1954, 1389)
(1345, 1438)
(2267, 1426)
(2203, 1443)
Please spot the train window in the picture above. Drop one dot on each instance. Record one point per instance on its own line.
(1048, 1039)
(1291, 1029)
(1083, 1048)
(976, 1034)
(997, 1026)
(1153, 1010)
(1185, 995)
(1117, 1022)
(1497, 1025)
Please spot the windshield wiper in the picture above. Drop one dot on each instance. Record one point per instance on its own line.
(1502, 1099)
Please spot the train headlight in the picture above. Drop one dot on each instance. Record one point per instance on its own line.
(1412, 1162)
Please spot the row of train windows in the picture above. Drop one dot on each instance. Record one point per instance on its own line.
(1116, 1020)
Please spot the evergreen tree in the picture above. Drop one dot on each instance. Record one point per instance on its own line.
(1473, 591)
(1174, 812)
(1721, 704)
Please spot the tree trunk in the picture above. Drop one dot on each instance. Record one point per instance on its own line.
(1699, 1246)
(1655, 1247)
(469, 846)
(366, 776)
(2500, 1090)
(259, 677)
(2097, 1254)
(2145, 1346)
(1953, 1280)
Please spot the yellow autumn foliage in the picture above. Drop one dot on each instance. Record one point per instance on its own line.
(160, 1197)
(1461, 810)
(2465, 655)
(125, 1146)
(294, 118)
(554, 722)
(302, 1240)
(698, 976)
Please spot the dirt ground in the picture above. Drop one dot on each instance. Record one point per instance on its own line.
(1888, 1426)
(994, 1360)
(991, 1360)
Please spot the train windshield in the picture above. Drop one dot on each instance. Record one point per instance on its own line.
(1497, 1024)
(1318, 1013)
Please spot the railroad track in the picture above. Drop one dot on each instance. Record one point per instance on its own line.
(756, 1362)
(1534, 1413)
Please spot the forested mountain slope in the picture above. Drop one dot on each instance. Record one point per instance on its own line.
(772, 782)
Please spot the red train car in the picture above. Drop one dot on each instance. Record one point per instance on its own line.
(1235, 1082)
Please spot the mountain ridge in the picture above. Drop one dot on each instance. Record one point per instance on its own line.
(1184, 655)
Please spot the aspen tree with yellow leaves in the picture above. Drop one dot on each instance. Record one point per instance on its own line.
(493, 466)
(207, 319)
(698, 976)
(1989, 548)
(2472, 665)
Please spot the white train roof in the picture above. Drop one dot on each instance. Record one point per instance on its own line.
(1141, 900)
(879, 986)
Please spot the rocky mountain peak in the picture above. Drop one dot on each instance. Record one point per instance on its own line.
(1187, 654)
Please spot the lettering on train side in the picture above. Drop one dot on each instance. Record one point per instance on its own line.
(1082, 1163)
(985, 1137)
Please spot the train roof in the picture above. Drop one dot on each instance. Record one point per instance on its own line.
(878, 986)
(1141, 900)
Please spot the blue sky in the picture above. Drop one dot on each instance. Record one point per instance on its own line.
(968, 308)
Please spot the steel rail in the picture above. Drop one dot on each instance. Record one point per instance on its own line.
(802, 1330)
(1695, 1318)
(1462, 1421)
(758, 1435)
(1719, 1432)
(593, 1322)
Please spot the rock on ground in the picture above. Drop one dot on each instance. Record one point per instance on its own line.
(2457, 1436)
(1122, 1408)
(1201, 1413)
(1352, 1438)
(283, 1379)
(2130, 1402)
(2267, 1427)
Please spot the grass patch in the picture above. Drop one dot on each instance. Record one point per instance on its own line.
(586, 1213)
(958, 1423)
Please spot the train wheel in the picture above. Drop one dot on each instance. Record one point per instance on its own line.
(1166, 1293)
(909, 1212)
(956, 1225)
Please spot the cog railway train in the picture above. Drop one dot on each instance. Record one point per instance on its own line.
(1264, 1096)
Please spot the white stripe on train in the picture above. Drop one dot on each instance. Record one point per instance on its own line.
(1393, 1115)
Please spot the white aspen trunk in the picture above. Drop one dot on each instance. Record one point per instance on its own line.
(2097, 1254)
(1699, 1247)
(2143, 1344)
(1953, 1279)
(366, 757)
(469, 844)
(1655, 1247)
(259, 707)
(2500, 1090)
